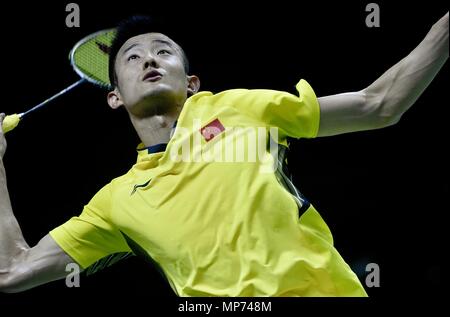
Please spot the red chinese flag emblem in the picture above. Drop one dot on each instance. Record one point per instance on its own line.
(212, 129)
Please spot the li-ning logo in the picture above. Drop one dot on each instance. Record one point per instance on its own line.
(103, 47)
(212, 129)
(139, 186)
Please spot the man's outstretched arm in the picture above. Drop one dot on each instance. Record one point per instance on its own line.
(22, 267)
(384, 102)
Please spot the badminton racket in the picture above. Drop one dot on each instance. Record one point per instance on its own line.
(89, 59)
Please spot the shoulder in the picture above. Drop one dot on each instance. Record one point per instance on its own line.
(122, 180)
(238, 96)
(303, 89)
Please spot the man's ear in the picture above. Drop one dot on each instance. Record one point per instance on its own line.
(114, 99)
(193, 85)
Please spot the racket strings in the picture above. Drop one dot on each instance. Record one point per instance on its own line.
(91, 58)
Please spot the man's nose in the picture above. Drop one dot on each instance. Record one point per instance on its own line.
(150, 62)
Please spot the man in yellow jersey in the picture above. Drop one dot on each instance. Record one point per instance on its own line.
(209, 200)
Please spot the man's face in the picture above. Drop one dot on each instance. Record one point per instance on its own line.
(150, 74)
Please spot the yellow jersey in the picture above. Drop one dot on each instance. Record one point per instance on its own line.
(214, 209)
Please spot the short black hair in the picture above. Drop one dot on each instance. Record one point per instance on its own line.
(137, 25)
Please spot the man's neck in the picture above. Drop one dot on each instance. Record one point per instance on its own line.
(155, 129)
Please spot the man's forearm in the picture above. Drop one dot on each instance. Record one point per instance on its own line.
(398, 88)
(12, 242)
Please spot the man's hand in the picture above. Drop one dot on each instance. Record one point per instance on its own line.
(384, 102)
(22, 267)
(2, 137)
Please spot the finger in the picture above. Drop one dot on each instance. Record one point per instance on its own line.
(2, 116)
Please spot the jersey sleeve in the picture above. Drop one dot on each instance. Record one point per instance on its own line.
(91, 236)
(294, 116)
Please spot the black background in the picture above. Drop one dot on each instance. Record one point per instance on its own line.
(383, 193)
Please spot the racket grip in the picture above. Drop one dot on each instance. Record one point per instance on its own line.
(10, 122)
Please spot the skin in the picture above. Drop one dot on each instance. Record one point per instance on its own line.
(154, 106)
(383, 103)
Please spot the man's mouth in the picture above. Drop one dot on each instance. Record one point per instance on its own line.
(152, 76)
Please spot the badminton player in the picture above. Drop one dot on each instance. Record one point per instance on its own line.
(214, 227)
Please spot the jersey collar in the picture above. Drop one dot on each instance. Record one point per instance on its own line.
(142, 150)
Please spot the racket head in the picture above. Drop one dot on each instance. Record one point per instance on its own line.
(89, 57)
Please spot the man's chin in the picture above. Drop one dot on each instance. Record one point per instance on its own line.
(157, 88)
(158, 101)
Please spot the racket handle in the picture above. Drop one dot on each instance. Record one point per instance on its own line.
(10, 122)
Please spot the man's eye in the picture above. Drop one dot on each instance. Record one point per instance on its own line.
(163, 52)
(132, 57)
